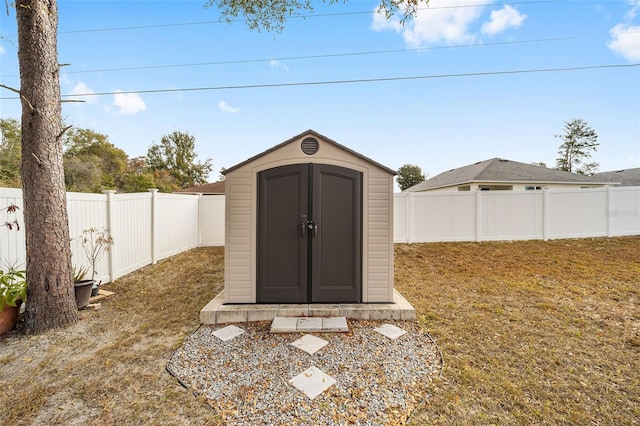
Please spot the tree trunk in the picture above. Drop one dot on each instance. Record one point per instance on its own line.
(51, 300)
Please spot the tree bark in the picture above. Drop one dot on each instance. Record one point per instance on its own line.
(50, 293)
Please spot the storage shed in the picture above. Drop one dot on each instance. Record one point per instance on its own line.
(309, 221)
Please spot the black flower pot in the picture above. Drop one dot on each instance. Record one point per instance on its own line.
(83, 292)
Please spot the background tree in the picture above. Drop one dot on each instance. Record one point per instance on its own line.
(176, 156)
(272, 14)
(82, 174)
(136, 178)
(579, 140)
(539, 164)
(51, 299)
(10, 156)
(409, 175)
(91, 162)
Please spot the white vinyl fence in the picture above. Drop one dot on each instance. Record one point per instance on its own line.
(151, 226)
(516, 215)
(146, 227)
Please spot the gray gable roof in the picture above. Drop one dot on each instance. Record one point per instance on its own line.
(317, 135)
(215, 188)
(627, 177)
(499, 170)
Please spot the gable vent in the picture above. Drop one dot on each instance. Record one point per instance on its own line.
(310, 146)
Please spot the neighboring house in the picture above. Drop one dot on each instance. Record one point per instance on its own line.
(498, 174)
(627, 177)
(215, 188)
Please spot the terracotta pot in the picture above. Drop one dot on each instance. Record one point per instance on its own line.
(83, 292)
(9, 317)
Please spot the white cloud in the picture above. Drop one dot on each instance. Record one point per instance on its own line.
(635, 6)
(223, 106)
(80, 89)
(447, 21)
(128, 103)
(1, 49)
(503, 19)
(277, 64)
(625, 41)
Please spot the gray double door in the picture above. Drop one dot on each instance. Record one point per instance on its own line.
(309, 246)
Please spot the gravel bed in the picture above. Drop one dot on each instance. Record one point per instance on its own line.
(246, 380)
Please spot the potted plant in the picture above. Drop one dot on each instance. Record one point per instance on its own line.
(13, 291)
(95, 243)
(82, 286)
(13, 284)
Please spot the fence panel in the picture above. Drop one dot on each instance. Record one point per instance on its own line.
(87, 211)
(577, 213)
(131, 230)
(511, 215)
(442, 217)
(212, 220)
(624, 211)
(12, 242)
(176, 224)
(401, 217)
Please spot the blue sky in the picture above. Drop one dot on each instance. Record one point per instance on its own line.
(470, 103)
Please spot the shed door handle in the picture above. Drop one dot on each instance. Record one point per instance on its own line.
(313, 226)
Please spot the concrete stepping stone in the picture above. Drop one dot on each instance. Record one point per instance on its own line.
(227, 333)
(284, 325)
(310, 344)
(312, 382)
(335, 324)
(390, 331)
(309, 324)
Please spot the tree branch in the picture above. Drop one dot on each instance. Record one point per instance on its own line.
(10, 88)
(63, 132)
(18, 92)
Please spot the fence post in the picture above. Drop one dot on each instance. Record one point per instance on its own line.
(154, 225)
(545, 214)
(478, 215)
(410, 216)
(110, 193)
(200, 215)
(609, 210)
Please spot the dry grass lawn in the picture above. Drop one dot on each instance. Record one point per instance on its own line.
(532, 332)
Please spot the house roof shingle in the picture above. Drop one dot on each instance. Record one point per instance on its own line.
(627, 177)
(498, 170)
(214, 188)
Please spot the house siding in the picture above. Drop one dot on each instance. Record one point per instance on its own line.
(513, 186)
(241, 216)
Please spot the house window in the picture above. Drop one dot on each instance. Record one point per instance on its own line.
(533, 188)
(495, 187)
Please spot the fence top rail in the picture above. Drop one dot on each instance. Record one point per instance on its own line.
(516, 191)
(133, 196)
(10, 192)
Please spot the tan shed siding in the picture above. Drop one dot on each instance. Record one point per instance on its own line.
(378, 286)
(238, 262)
